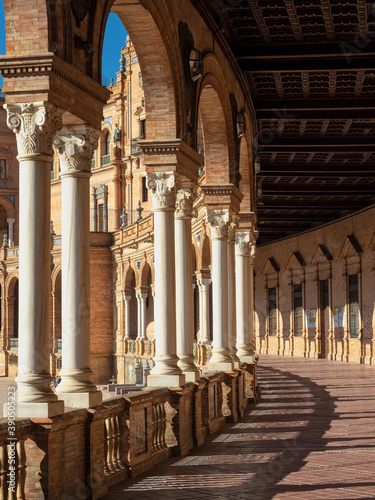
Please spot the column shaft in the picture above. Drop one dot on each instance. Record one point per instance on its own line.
(35, 125)
(127, 299)
(219, 220)
(75, 147)
(232, 298)
(243, 290)
(166, 371)
(184, 285)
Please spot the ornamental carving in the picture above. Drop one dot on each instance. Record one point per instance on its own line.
(75, 146)
(232, 228)
(219, 221)
(163, 187)
(243, 243)
(184, 203)
(35, 126)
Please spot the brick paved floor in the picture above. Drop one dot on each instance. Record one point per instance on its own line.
(312, 436)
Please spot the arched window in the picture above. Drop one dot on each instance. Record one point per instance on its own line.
(108, 143)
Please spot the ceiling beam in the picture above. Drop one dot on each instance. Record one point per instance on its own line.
(318, 51)
(315, 190)
(262, 217)
(285, 204)
(327, 172)
(322, 142)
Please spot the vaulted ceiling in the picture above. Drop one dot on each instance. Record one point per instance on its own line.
(310, 67)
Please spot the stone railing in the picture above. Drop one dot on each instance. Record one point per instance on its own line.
(139, 348)
(139, 230)
(82, 453)
(13, 460)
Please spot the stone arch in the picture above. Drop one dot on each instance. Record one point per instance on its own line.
(215, 119)
(146, 268)
(8, 205)
(12, 305)
(205, 257)
(55, 275)
(130, 271)
(151, 29)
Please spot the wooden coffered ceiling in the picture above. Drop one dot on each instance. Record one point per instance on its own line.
(310, 68)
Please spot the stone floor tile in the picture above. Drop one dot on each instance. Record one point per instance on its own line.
(312, 436)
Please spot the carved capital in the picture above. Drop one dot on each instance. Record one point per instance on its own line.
(218, 221)
(75, 146)
(184, 202)
(232, 228)
(35, 125)
(163, 186)
(243, 243)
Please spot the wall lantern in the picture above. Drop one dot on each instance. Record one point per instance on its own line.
(195, 64)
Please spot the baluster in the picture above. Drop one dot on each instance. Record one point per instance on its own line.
(4, 470)
(154, 429)
(119, 459)
(21, 469)
(111, 467)
(106, 451)
(163, 426)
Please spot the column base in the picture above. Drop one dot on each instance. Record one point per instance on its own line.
(160, 380)
(220, 361)
(81, 399)
(220, 367)
(245, 353)
(36, 410)
(188, 368)
(236, 360)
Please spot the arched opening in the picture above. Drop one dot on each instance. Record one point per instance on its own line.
(213, 137)
(3, 224)
(195, 293)
(146, 284)
(57, 312)
(12, 313)
(131, 322)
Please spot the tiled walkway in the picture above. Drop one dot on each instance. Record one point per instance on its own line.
(312, 436)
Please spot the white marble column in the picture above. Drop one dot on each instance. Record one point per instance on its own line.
(75, 146)
(184, 283)
(35, 125)
(243, 289)
(204, 283)
(141, 294)
(252, 304)
(11, 232)
(219, 221)
(127, 299)
(232, 294)
(166, 371)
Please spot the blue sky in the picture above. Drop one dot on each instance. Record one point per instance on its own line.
(114, 39)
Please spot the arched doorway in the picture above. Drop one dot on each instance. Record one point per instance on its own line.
(131, 305)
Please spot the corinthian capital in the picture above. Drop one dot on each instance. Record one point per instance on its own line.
(232, 228)
(243, 242)
(218, 221)
(75, 146)
(35, 125)
(163, 188)
(184, 202)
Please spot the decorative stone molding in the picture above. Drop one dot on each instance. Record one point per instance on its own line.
(232, 228)
(184, 203)
(243, 243)
(35, 125)
(163, 187)
(219, 221)
(75, 146)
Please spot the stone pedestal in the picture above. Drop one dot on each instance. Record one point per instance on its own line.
(75, 146)
(35, 125)
(184, 284)
(218, 221)
(166, 371)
